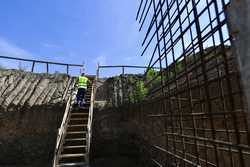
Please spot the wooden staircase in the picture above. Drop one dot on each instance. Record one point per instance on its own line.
(74, 135)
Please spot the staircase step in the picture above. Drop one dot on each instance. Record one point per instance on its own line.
(87, 97)
(69, 147)
(76, 134)
(78, 122)
(73, 120)
(79, 127)
(81, 110)
(75, 164)
(72, 155)
(79, 115)
(74, 142)
(74, 150)
(76, 130)
(79, 119)
(83, 107)
(75, 139)
(71, 158)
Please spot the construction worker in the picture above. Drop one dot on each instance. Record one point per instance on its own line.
(82, 88)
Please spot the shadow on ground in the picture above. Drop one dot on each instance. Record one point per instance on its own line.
(117, 161)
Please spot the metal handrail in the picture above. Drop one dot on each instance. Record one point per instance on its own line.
(61, 132)
(122, 67)
(90, 119)
(42, 62)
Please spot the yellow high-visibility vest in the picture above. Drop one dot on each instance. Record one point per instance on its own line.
(82, 82)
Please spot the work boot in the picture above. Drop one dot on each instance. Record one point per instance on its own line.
(79, 103)
(82, 103)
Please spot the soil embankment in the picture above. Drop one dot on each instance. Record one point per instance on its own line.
(31, 109)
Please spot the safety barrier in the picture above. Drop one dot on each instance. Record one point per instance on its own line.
(47, 63)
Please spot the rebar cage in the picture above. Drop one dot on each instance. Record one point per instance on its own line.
(199, 98)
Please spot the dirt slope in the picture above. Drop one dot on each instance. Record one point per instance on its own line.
(18, 89)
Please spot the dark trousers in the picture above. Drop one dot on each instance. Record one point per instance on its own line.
(80, 94)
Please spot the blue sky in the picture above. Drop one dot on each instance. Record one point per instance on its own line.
(72, 31)
(77, 31)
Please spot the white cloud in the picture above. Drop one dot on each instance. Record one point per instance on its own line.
(11, 50)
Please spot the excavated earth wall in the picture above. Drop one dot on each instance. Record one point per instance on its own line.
(115, 140)
(31, 110)
(133, 130)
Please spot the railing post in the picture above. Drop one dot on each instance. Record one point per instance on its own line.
(123, 70)
(67, 69)
(33, 66)
(123, 91)
(47, 67)
(97, 72)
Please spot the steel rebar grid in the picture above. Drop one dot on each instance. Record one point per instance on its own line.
(200, 88)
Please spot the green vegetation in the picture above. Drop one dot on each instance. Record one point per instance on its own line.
(151, 74)
(154, 78)
(139, 92)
